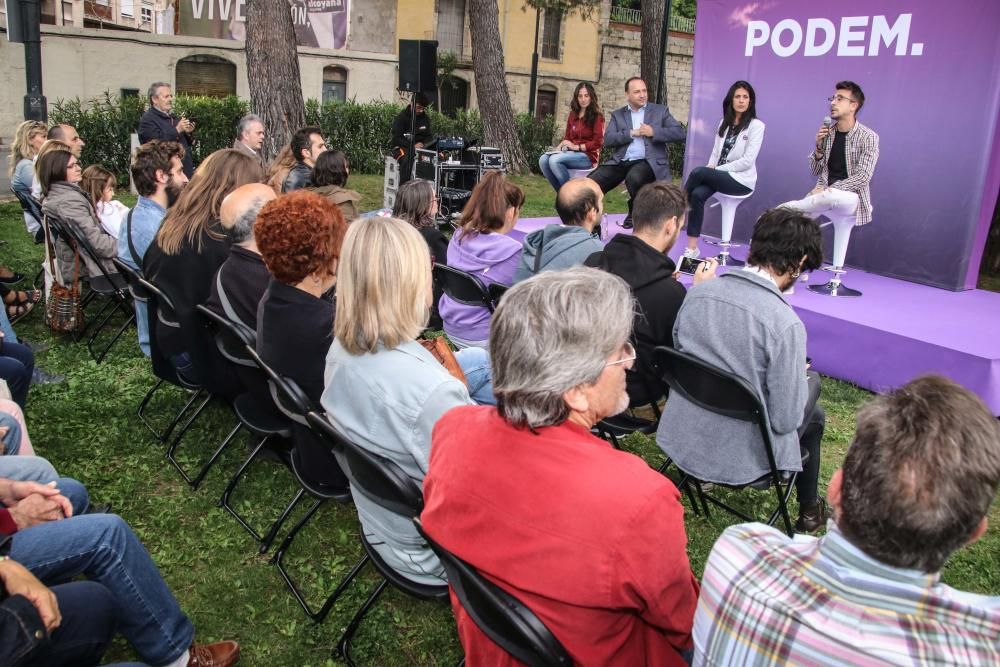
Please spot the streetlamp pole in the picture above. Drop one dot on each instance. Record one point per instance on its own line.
(534, 66)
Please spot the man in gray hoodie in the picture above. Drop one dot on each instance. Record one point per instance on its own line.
(580, 205)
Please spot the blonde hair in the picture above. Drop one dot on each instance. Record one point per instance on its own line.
(197, 209)
(94, 180)
(21, 148)
(278, 171)
(49, 146)
(383, 285)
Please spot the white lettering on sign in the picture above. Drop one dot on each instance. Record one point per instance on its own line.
(820, 34)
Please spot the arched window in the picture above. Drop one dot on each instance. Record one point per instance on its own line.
(206, 75)
(334, 84)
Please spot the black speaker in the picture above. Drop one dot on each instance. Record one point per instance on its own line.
(417, 65)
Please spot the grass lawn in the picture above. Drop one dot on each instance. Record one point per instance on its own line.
(87, 427)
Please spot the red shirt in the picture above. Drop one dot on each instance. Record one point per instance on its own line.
(578, 132)
(590, 538)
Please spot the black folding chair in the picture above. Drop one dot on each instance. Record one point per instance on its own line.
(728, 395)
(295, 405)
(162, 308)
(384, 483)
(496, 291)
(31, 207)
(462, 287)
(501, 616)
(111, 286)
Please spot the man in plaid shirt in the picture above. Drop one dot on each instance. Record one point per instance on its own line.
(844, 161)
(916, 486)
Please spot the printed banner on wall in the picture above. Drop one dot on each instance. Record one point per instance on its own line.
(318, 23)
(931, 77)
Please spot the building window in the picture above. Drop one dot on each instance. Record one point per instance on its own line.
(128, 8)
(545, 102)
(67, 13)
(451, 26)
(454, 95)
(147, 14)
(334, 84)
(206, 75)
(550, 35)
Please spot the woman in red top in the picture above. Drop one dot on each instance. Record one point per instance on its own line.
(581, 144)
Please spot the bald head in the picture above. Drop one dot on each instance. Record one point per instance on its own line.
(68, 134)
(240, 208)
(580, 202)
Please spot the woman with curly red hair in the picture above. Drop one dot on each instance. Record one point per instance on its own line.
(299, 235)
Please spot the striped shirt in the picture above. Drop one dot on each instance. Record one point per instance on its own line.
(861, 154)
(767, 599)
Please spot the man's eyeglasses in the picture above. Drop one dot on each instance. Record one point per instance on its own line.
(840, 98)
(628, 353)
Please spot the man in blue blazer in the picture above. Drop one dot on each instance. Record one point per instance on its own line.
(639, 133)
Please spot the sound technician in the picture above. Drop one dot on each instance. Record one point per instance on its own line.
(844, 160)
(403, 145)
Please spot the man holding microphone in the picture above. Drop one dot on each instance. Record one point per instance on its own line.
(843, 161)
(160, 123)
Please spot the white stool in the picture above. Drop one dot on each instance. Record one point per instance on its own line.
(580, 173)
(729, 204)
(842, 226)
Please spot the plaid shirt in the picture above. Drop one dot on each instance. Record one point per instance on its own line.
(770, 600)
(861, 154)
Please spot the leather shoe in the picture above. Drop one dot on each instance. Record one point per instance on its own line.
(219, 654)
(812, 518)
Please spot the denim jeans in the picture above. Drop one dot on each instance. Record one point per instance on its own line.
(89, 619)
(11, 441)
(37, 469)
(142, 326)
(16, 365)
(555, 166)
(475, 363)
(104, 549)
(5, 326)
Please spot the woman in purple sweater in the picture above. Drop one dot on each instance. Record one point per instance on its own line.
(481, 247)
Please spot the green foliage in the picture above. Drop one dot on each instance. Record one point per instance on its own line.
(105, 124)
(215, 118)
(536, 137)
(585, 8)
(361, 130)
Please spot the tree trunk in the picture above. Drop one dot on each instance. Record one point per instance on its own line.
(273, 72)
(491, 84)
(652, 24)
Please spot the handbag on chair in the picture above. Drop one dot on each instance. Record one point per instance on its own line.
(439, 349)
(64, 306)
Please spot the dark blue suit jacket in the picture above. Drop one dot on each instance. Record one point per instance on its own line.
(665, 129)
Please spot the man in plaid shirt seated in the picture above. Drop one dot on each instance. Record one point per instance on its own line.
(916, 486)
(843, 162)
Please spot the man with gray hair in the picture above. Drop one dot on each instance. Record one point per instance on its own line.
(241, 281)
(159, 122)
(916, 486)
(250, 137)
(590, 538)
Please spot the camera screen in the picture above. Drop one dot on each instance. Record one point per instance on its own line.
(689, 265)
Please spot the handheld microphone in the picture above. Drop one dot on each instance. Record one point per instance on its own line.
(828, 122)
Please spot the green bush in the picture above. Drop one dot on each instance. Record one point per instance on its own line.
(105, 124)
(361, 130)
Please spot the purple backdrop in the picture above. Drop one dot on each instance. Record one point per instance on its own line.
(931, 76)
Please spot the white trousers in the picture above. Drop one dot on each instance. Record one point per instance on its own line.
(829, 201)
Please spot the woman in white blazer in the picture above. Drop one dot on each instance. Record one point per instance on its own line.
(732, 169)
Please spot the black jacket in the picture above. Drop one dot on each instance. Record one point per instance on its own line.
(156, 124)
(401, 126)
(650, 275)
(22, 632)
(244, 279)
(300, 176)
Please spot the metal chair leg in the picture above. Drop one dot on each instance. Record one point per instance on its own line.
(195, 481)
(107, 348)
(231, 486)
(343, 649)
(272, 533)
(162, 437)
(175, 442)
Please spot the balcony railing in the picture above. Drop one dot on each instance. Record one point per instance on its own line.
(631, 16)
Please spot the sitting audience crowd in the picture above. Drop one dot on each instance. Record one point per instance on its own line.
(501, 433)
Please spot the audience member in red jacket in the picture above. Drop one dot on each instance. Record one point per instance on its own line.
(590, 538)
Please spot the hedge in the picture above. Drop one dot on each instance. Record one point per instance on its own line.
(361, 130)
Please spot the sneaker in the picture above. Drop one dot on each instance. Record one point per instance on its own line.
(38, 376)
(219, 654)
(812, 518)
(693, 253)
